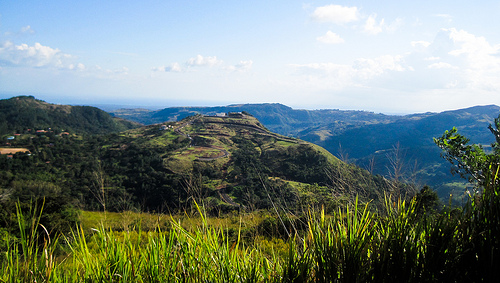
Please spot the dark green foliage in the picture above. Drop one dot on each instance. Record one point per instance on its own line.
(470, 160)
(427, 201)
(60, 214)
(18, 114)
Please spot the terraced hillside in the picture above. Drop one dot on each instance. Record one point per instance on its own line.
(229, 162)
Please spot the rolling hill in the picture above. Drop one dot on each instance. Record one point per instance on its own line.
(233, 161)
(20, 113)
(226, 162)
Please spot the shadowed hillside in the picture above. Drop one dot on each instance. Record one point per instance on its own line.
(18, 114)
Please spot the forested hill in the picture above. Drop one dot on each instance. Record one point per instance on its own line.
(227, 163)
(18, 114)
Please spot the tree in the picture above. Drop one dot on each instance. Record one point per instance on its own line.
(471, 161)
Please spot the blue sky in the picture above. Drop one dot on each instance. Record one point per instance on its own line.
(382, 56)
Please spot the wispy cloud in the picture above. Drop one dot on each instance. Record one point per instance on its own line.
(242, 66)
(363, 70)
(27, 29)
(330, 38)
(204, 61)
(447, 17)
(441, 65)
(420, 44)
(348, 16)
(174, 67)
(199, 60)
(46, 58)
(373, 27)
(336, 14)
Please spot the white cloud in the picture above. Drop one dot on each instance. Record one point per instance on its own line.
(373, 27)
(433, 58)
(444, 16)
(338, 76)
(447, 17)
(336, 14)
(243, 65)
(420, 44)
(455, 62)
(478, 59)
(27, 29)
(370, 68)
(50, 61)
(199, 60)
(469, 45)
(33, 56)
(202, 61)
(330, 38)
(79, 67)
(441, 65)
(174, 67)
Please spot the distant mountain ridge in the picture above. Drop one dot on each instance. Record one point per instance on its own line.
(26, 112)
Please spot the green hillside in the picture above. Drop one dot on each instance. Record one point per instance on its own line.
(18, 114)
(372, 141)
(231, 162)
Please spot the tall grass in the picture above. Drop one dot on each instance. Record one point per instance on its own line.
(354, 244)
(340, 246)
(204, 254)
(30, 258)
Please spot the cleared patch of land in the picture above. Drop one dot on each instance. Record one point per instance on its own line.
(7, 150)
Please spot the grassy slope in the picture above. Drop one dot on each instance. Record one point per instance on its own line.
(210, 142)
(367, 138)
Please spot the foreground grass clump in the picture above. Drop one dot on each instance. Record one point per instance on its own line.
(404, 243)
(206, 254)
